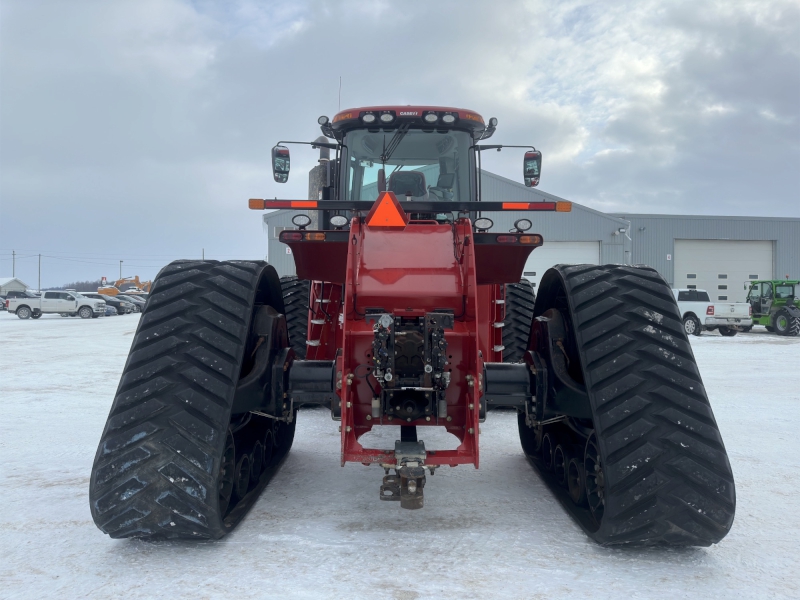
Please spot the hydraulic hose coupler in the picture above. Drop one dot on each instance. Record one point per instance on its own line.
(376, 408)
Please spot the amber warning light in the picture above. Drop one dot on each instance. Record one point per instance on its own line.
(387, 212)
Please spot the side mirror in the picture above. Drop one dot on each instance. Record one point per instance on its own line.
(532, 167)
(280, 164)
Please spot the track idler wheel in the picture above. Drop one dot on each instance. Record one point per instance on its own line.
(256, 463)
(242, 480)
(548, 450)
(182, 454)
(576, 481)
(227, 474)
(594, 480)
(622, 383)
(561, 457)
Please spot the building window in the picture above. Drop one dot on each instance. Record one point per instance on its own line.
(722, 287)
(529, 273)
(692, 287)
(691, 276)
(722, 276)
(722, 297)
(753, 276)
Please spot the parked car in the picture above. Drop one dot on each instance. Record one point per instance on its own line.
(137, 302)
(700, 314)
(123, 307)
(18, 294)
(2, 303)
(56, 302)
(110, 311)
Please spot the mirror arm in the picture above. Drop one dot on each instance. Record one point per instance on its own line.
(480, 147)
(313, 144)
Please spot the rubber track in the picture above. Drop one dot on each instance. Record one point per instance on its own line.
(520, 299)
(668, 478)
(295, 298)
(156, 469)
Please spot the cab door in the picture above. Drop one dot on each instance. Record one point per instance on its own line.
(766, 298)
(69, 302)
(754, 298)
(50, 302)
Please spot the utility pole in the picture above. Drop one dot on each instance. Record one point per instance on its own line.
(40, 273)
(204, 253)
(13, 263)
(120, 269)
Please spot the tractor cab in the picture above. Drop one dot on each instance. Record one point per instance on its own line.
(420, 154)
(775, 304)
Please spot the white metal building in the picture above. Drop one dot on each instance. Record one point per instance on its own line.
(11, 284)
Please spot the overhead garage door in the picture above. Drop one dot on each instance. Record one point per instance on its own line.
(556, 253)
(721, 266)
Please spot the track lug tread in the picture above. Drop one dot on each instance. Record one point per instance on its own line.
(296, 294)
(667, 476)
(197, 429)
(520, 302)
(224, 321)
(122, 464)
(184, 481)
(139, 412)
(213, 362)
(191, 452)
(155, 473)
(133, 435)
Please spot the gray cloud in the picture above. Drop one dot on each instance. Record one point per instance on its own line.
(137, 130)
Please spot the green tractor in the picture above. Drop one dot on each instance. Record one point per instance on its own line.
(775, 305)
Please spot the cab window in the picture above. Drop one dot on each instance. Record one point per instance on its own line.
(755, 292)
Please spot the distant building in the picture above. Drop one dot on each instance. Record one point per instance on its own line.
(11, 284)
(717, 254)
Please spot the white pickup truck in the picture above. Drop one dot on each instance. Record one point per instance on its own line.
(700, 314)
(71, 303)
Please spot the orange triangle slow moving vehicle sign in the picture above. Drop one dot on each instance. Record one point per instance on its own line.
(387, 212)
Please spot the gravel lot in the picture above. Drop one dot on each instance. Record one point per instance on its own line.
(319, 531)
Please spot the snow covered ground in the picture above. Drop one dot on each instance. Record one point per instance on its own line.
(319, 531)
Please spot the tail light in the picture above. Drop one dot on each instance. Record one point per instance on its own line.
(8, 303)
(710, 310)
(290, 236)
(506, 239)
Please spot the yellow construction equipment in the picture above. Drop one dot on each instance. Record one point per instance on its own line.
(139, 287)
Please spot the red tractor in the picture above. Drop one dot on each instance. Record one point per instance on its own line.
(400, 315)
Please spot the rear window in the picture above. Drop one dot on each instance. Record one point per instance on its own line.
(703, 297)
(684, 296)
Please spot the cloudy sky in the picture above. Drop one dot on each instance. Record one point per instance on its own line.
(137, 130)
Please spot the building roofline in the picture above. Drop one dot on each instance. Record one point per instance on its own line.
(550, 196)
(731, 218)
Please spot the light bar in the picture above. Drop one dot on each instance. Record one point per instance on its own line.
(418, 207)
(529, 205)
(256, 204)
